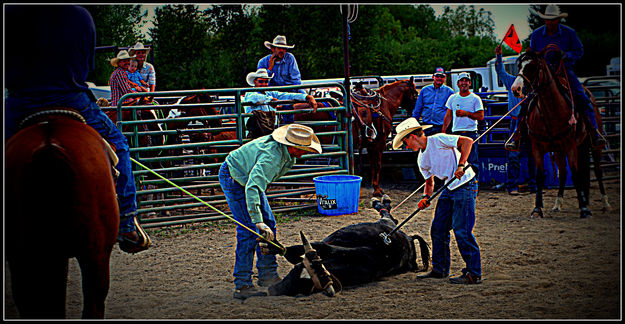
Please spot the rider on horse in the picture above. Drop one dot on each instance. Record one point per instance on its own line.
(555, 36)
(49, 63)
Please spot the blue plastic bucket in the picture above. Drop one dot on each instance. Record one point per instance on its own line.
(337, 194)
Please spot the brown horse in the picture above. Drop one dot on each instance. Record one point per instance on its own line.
(61, 204)
(373, 121)
(552, 127)
(596, 152)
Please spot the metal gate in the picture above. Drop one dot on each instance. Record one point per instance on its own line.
(193, 164)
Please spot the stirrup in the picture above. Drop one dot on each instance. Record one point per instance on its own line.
(597, 140)
(512, 145)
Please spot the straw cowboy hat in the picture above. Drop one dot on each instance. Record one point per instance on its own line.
(139, 47)
(260, 73)
(279, 41)
(122, 55)
(551, 12)
(404, 128)
(299, 136)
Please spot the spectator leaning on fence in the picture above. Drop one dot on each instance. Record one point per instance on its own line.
(264, 119)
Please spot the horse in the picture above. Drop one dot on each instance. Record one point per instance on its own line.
(552, 127)
(61, 204)
(596, 152)
(373, 121)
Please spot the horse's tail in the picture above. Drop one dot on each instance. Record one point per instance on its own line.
(425, 250)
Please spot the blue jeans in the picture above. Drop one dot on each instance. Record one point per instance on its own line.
(18, 108)
(435, 129)
(514, 163)
(455, 210)
(246, 242)
(582, 98)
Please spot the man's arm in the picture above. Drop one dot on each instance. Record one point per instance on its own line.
(447, 120)
(418, 106)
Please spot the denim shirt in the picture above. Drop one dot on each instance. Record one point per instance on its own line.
(507, 79)
(255, 165)
(431, 104)
(285, 72)
(565, 38)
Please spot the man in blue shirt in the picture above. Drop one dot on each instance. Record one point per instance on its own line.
(514, 165)
(430, 105)
(565, 38)
(283, 66)
(60, 56)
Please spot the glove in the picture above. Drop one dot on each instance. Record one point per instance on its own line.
(424, 203)
(265, 231)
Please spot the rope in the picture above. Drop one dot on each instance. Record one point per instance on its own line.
(71, 113)
(205, 203)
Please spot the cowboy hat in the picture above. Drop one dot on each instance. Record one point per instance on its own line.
(551, 12)
(260, 73)
(404, 128)
(122, 55)
(279, 41)
(139, 47)
(299, 136)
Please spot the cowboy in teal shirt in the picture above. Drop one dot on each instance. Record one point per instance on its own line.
(244, 178)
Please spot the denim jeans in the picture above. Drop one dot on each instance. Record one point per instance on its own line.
(513, 163)
(246, 242)
(582, 98)
(18, 108)
(455, 210)
(473, 156)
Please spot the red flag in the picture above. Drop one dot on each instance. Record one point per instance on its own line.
(512, 39)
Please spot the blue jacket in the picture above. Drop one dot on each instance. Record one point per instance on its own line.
(565, 38)
(285, 72)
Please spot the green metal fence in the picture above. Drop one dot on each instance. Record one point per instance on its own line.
(190, 156)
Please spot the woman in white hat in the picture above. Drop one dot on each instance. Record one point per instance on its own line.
(264, 119)
(119, 81)
(146, 69)
(455, 208)
(244, 177)
(566, 40)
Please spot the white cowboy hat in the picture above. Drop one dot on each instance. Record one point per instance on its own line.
(139, 47)
(404, 128)
(279, 41)
(260, 73)
(299, 136)
(122, 55)
(551, 12)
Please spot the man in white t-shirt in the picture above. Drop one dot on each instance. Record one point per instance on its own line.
(455, 209)
(464, 110)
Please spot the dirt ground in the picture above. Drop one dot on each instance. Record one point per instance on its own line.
(557, 267)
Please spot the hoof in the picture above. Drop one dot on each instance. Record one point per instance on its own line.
(558, 205)
(374, 201)
(537, 213)
(386, 199)
(585, 213)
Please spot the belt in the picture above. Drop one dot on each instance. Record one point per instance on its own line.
(465, 132)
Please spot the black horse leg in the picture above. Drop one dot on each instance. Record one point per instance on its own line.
(540, 182)
(562, 174)
(583, 178)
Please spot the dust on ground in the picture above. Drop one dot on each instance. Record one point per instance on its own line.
(557, 267)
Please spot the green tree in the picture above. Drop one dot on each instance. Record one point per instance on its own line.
(116, 25)
(179, 37)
